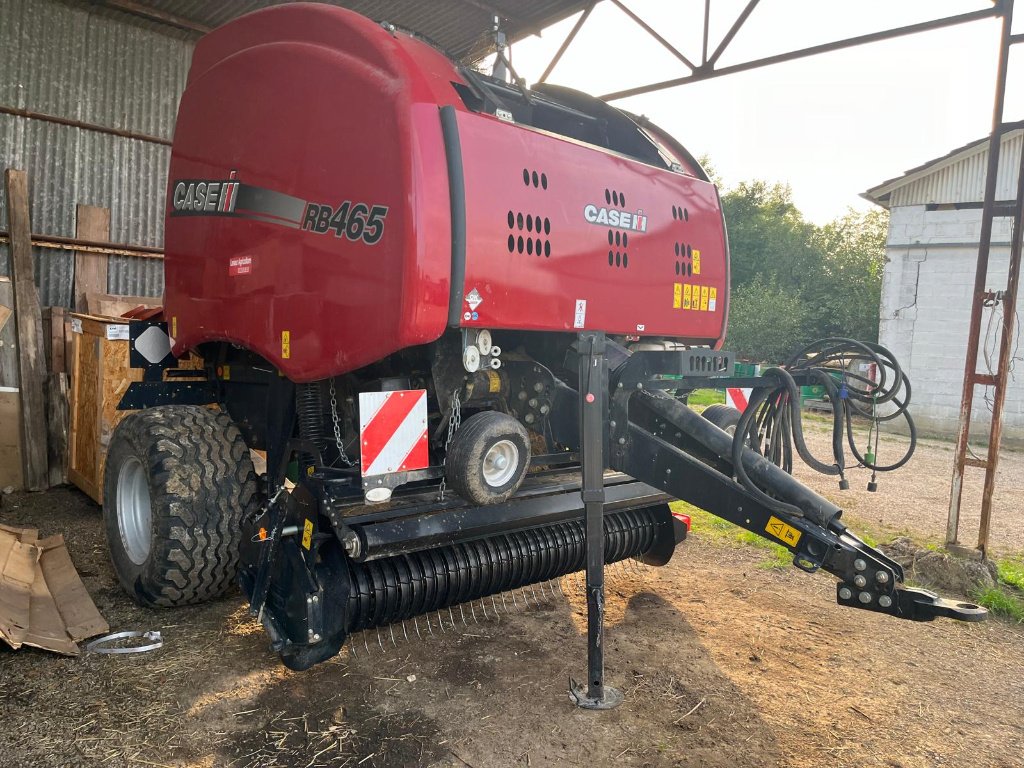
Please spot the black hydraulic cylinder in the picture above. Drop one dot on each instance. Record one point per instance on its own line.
(764, 473)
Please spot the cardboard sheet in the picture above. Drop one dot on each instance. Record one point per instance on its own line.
(18, 562)
(43, 602)
(81, 617)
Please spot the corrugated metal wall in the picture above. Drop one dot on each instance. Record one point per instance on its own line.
(963, 180)
(63, 59)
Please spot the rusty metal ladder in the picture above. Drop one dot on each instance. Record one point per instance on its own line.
(982, 298)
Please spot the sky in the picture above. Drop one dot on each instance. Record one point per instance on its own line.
(831, 125)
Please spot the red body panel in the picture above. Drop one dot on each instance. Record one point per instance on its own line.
(293, 111)
(626, 276)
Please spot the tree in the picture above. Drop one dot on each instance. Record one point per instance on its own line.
(850, 288)
(765, 321)
(793, 281)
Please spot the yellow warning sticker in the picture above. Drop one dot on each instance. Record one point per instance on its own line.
(696, 261)
(784, 532)
(704, 298)
(226, 373)
(686, 295)
(493, 382)
(286, 344)
(713, 299)
(174, 326)
(677, 295)
(307, 534)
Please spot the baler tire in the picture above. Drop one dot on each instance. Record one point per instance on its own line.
(725, 417)
(464, 465)
(196, 475)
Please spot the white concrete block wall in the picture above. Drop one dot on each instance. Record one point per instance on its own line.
(925, 315)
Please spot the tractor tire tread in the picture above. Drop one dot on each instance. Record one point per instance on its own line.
(202, 485)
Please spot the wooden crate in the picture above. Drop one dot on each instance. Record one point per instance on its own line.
(100, 375)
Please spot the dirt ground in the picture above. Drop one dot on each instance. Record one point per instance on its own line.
(722, 662)
(914, 500)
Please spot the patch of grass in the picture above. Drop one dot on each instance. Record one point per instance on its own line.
(1011, 572)
(712, 528)
(1000, 601)
(706, 397)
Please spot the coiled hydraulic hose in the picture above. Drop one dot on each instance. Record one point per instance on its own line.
(771, 423)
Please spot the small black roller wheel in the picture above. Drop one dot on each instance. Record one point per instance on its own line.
(488, 458)
(725, 417)
(178, 482)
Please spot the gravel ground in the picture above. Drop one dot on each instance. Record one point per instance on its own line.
(914, 500)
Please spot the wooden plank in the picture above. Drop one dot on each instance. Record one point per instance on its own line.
(54, 319)
(85, 407)
(110, 305)
(29, 322)
(93, 223)
(10, 438)
(8, 338)
(57, 427)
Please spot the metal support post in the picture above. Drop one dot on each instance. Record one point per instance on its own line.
(593, 371)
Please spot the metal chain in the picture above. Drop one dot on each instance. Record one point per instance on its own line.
(337, 428)
(454, 421)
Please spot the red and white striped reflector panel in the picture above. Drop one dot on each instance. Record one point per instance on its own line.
(393, 431)
(737, 398)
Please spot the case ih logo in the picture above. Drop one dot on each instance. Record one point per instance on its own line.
(204, 196)
(613, 217)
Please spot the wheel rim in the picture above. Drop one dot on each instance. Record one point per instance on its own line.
(134, 516)
(501, 463)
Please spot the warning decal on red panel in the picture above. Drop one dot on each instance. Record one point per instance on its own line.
(393, 431)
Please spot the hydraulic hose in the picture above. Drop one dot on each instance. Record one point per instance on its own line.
(772, 426)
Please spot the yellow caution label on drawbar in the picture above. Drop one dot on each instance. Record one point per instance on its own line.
(307, 534)
(784, 532)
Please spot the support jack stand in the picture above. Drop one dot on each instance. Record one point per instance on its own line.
(593, 369)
